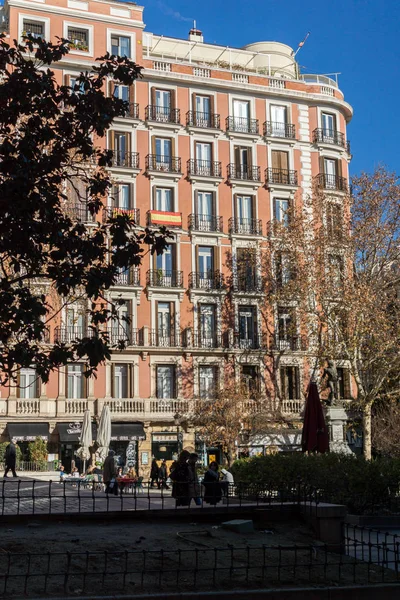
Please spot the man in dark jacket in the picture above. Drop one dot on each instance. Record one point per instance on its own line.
(10, 459)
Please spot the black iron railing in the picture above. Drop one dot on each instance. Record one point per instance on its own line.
(288, 342)
(247, 341)
(163, 163)
(204, 168)
(243, 172)
(242, 125)
(280, 176)
(204, 120)
(329, 136)
(249, 283)
(282, 130)
(128, 277)
(81, 213)
(133, 110)
(331, 182)
(162, 338)
(123, 334)
(207, 223)
(210, 280)
(244, 226)
(162, 114)
(207, 339)
(68, 333)
(161, 278)
(125, 159)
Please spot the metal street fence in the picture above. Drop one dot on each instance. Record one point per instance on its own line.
(381, 548)
(73, 496)
(178, 570)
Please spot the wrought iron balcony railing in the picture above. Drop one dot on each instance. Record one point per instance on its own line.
(162, 338)
(125, 159)
(211, 280)
(204, 168)
(163, 163)
(123, 333)
(133, 110)
(280, 176)
(162, 114)
(129, 277)
(165, 279)
(281, 130)
(244, 172)
(242, 125)
(288, 342)
(329, 136)
(245, 340)
(331, 182)
(249, 283)
(204, 120)
(206, 223)
(81, 213)
(244, 226)
(68, 333)
(207, 339)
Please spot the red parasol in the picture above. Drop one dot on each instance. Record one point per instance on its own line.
(315, 434)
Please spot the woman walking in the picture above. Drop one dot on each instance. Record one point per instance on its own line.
(181, 477)
(212, 486)
(154, 473)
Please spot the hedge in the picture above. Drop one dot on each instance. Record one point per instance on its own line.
(366, 487)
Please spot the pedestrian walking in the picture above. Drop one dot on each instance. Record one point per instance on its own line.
(110, 473)
(10, 459)
(163, 475)
(194, 487)
(212, 485)
(154, 473)
(227, 481)
(181, 477)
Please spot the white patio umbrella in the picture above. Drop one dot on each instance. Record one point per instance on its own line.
(104, 432)
(86, 438)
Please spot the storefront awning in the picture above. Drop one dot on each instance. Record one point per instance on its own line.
(71, 432)
(127, 432)
(28, 432)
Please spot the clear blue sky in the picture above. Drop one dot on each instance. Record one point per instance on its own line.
(358, 38)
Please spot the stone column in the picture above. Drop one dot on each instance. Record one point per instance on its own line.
(336, 419)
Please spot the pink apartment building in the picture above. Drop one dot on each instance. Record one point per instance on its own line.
(218, 141)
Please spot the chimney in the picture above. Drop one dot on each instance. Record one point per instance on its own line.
(195, 35)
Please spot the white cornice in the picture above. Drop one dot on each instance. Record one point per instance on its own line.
(78, 14)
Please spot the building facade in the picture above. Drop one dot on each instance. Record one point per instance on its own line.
(218, 142)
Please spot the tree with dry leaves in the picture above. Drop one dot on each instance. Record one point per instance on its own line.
(385, 428)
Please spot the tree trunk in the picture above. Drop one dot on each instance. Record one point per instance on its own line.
(367, 431)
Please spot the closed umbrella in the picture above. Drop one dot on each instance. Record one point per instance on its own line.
(315, 434)
(104, 433)
(86, 438)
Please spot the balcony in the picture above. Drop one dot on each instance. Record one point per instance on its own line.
(163, 164)
(159, 338)
(203, 120)
(164, 279)
(80, 213)
(242, 226)
(162, 114)
(246, 341)
(128, 160)
(243, 173)
(330, 136)
(133, 111)
(242, 125)
(122, 333)
(129, 277)
(331, 182)
(279, 130)
(247, 283)
(212, 280)
(204, 168)
(280, 177)
(206, 339)
(291, 343)
(133, 213)
(66, 334)
(160, 217)
(205, 223)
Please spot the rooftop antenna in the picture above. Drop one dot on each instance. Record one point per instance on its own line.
(301, 44)
(194, 24)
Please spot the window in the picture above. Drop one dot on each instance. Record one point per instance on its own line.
(286, 326)
(282, 211)
(34, 28)
(202, 108)
(121, 381)
(164, 199)
(79, 38)
(244, 214)
(207, 323)
(163, 151)
(164, 261)
(165, 381)
(76, 323)
(343, 388)
(330, 172)
(28, 383)
(241, 115)
(280, 165)
(290, 383)
(334, 220)
(243, 162)
(336, 271)
(120, 322)
(207, 382)
(75, 381)
(121, 45)
(247, 327)
(163, 106)
(246, 264)
(121, 92)
(278, 121)
(205, 262)
(250, 380)
(122, 196)
(328, 127)
(284, 269)
(164, 322)
(120, 147)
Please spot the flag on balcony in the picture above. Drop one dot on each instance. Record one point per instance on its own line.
(315, 434)
(171, 219)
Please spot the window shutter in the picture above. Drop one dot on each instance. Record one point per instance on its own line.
(172, 140)
(194, 95)
(321, 165)
(112, 380)
(112, 88)
(237, 155)
(212, 105)
(173, 98)
(283, 383)
(297, 382)
(339, 167)
(249, 158)
(153, 96)
(275, 159)
(284, 161)
(132, 93)
(153, 145)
